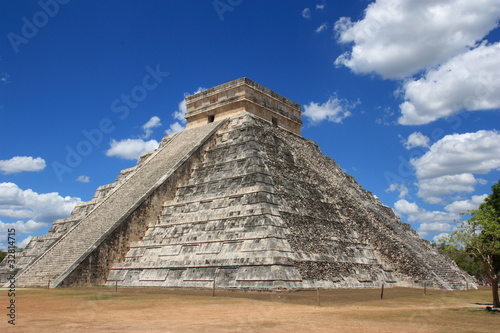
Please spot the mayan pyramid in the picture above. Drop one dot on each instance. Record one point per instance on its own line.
(238, 199)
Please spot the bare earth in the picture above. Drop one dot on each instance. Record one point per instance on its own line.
(173, 310)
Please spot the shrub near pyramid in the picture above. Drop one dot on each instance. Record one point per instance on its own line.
(239, 199)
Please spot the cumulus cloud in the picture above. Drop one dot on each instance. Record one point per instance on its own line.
(174, 128)
(416, 139)
(450, 164)
(24, 242)
(130, 149)
(432, 222)
(45, 207)
(21, 163)
(437, 239)
(465, 205)
(398, 38)
(38, 209)
(405, 207)
(432, 190)
(457, 154)
(322, 28)
(434, 227)
(306, 13)
(333, 110)
(22, 227)
(425, 216)
(149, 125)
(83, 179)
(320, 6)
(401, 188)
(429, 222)
(180, 114)
(470, 81)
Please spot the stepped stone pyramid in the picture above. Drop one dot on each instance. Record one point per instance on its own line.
(238, 199)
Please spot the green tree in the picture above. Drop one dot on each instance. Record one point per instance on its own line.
(479, 237)
(2, 255)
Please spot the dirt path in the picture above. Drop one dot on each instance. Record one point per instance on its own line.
(153, 310)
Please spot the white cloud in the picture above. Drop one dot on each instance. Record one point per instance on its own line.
(437, 239)
(24, 242)
(320, 6)
(434, 227)
(398, 38)
(429, 221)
(180, 114)
(174, 128)
(425, 216)
(403, 190)
(22, 227)
(83, 179)
(459, 154)
(152, 123)
(465, 205)
(130, 149)
(322, 28)
(470, 81)
(306, 13)
(4, 78)
(21, 163)
(405, 207)
(416, 139)
(431, 190)
(45, 207)
(148, 127)
(333, 110)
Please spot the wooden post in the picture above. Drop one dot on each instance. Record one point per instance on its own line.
(467, 285)
(116, 286)
(48, 284)
(215, 276)
(317, 297)
(382, 292)
(425, 287)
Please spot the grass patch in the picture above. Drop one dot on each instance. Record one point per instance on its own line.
(178, 310)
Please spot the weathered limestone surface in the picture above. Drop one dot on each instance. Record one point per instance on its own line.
(342, 232)
(39, 244)
(243, 202)
(240, 96)
(63, 257)
(223, 222)
(265, 209)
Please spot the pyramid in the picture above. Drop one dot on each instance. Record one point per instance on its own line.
(241, 201)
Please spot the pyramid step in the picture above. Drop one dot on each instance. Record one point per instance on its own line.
(85, 236)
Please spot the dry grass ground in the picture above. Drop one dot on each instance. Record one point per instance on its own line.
(167, 310)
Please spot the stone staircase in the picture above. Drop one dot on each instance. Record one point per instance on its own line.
(448, 275)
(222, 224)
(71, 249)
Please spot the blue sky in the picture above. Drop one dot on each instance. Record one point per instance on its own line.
(403, 95)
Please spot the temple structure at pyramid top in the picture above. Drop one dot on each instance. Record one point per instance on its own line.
(238, 200)
(239, 96)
